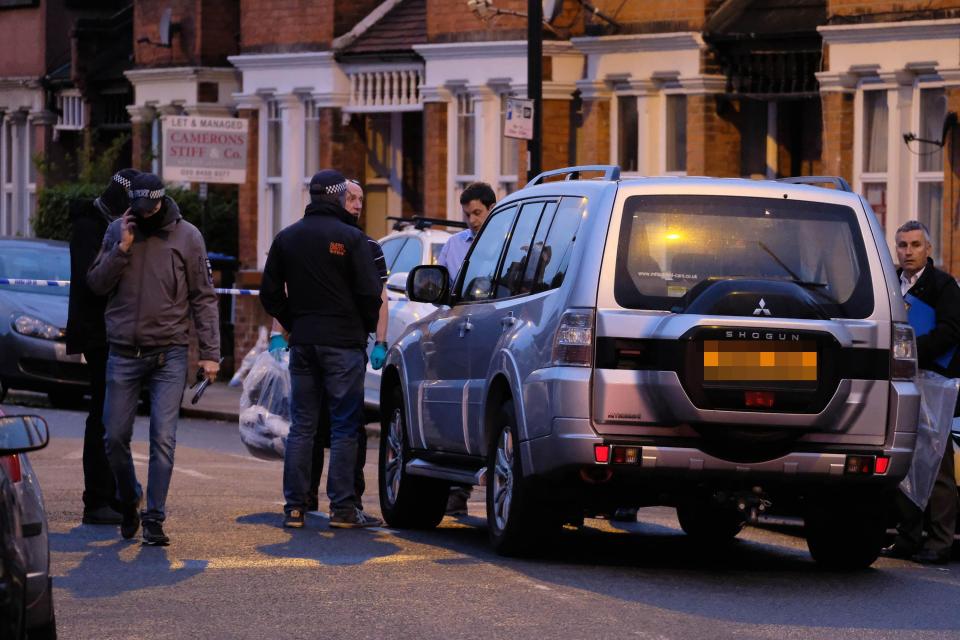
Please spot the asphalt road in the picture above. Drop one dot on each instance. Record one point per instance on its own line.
(233, 572)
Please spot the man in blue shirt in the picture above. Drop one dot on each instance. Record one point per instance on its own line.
(476, 201)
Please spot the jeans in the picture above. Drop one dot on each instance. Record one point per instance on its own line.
(164, 375)
(322, 442)
(99, 486)
(336, 374)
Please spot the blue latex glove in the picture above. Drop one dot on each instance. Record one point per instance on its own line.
(379, 355)
(276, 343)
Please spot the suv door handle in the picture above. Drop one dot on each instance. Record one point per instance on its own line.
(465, 326)
(508, 320)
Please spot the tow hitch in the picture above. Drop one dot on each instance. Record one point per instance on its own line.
(751, 504)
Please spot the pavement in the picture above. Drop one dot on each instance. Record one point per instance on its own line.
(219, 402)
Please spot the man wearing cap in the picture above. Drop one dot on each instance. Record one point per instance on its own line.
(153, 269)
(87, 334)
(321, 283)
(354, 206)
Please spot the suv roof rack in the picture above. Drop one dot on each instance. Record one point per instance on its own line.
(422, 222)
(839, 183)
(610, 172)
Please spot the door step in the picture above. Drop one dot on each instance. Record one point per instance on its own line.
(426, 469)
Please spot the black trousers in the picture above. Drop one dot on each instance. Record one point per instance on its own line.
(321, 442)
(99, 485)
(940, 515)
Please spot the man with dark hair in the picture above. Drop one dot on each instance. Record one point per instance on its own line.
(476, 201)
(153, 268)
(354, 206)
(87, 334)
(937, 351)
(320, 282)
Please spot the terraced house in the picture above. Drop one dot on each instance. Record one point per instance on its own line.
(409, 97)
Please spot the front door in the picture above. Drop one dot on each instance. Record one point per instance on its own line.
(447, 353)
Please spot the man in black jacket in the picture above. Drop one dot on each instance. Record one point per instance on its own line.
(922, 280)
(87, 334)
(320, 282)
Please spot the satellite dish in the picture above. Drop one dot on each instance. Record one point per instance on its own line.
(166, 26)
(551, 10)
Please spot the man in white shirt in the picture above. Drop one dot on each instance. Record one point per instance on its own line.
(936, 351)
(476, 201)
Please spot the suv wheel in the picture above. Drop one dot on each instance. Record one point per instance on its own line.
(408, 502)
(845, 534)
(509, 517)
(708, 523)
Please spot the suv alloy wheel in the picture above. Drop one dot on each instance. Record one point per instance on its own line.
(406, 501)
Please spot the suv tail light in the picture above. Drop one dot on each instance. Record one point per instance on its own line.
(903, 355)
(573, 344)
(12, 466)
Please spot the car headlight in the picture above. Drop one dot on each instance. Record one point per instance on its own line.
(36, 328)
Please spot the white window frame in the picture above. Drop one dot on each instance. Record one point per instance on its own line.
(6, 187)
(71, 111)
(29, 205)
(862, 177)
(507, 183)
(273, 184)
(615, 130)
(311, 113)
(664, 140)
(461, 180)
(918, 176)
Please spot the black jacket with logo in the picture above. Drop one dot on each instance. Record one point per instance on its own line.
(320, 280)
(939, 290)
(86, 330)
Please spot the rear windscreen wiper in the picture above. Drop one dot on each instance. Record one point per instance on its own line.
(806, 284)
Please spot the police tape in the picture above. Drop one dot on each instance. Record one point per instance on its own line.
(21, 282)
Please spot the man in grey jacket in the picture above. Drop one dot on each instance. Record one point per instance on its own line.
(154, 271)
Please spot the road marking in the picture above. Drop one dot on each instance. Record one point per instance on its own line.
(74, 455)
(267, 562)
(139, 457)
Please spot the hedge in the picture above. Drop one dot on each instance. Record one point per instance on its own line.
(218, 224)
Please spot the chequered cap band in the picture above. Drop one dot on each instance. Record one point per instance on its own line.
(330, 190)
(156, 194)
(123, 182)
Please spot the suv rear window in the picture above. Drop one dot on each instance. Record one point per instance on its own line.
(669, 244)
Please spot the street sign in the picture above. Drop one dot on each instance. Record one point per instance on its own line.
(519, 119)
(202, 149)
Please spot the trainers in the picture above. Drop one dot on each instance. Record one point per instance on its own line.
(153, 534)
(130, 521)
(102, 515)
(353, 519)
(293, 519)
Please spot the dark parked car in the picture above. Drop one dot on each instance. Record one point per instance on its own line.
(26, 593)
(33, 320)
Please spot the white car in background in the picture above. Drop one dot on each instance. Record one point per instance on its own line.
(414, 241)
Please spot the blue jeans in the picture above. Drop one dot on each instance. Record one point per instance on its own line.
(318, 372)
(164, 375)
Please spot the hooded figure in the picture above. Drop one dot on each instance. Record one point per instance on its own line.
(86, 334)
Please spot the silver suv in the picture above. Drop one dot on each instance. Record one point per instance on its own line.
(722, 346)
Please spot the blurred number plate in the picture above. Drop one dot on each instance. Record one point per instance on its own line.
(758, 361)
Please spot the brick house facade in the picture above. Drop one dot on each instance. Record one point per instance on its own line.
(408, 96)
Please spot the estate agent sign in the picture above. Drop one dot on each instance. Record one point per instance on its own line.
(202, 149)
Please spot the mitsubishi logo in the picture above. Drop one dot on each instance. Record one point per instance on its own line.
(761, 309)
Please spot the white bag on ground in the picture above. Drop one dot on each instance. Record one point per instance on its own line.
(938, 397)
(265, 405)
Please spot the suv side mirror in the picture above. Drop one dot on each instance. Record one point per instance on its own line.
(428, 283)
(19, 434)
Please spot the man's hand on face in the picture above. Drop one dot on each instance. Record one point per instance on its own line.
(127, 227)
(210, 368)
